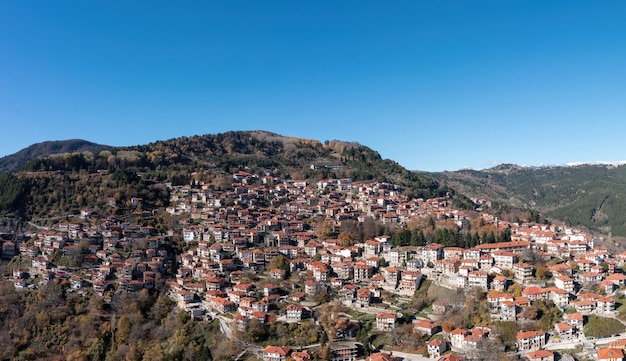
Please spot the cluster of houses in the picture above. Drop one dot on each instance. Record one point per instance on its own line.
(340, 352)
(244, 236)
(110, 254)
(240, 230)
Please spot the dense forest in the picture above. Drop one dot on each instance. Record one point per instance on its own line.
(13, 191)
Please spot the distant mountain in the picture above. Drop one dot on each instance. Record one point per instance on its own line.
(13, 162)
(592, 195)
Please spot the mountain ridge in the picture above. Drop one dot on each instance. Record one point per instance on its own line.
(12, 162)
(590, 195)
(618, 163)
(63, 183)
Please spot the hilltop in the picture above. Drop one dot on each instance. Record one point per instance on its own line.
(58, 178)
(13, 162)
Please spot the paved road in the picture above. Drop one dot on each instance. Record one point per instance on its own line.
(410, 356)
(586, 342)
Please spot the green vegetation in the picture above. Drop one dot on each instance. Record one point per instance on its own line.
(13, 189)
(462, 202)
(602, 326)
(55, 194)
(146, 326)
(588, 195)
(419, 301)
(507, 331)
(447, 237)
(620, 306)
(280, 333)
(287, 157)
(544, 311)
(60, 180)
(13, 162)
(50, 323)
(382, 339)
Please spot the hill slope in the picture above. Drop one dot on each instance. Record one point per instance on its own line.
(62, 184)
(590, 195)
(13, 162)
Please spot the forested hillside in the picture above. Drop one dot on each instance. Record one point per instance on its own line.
(54, 324)
(60, 184)
(176, 159)
(13, 162)
(590, 195)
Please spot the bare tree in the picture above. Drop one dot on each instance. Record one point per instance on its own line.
(487, 350)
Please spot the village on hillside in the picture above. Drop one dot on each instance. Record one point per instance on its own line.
(262, 254)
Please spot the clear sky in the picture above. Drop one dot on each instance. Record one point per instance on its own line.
(434, 85)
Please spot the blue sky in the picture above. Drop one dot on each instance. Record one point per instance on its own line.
(433, 85)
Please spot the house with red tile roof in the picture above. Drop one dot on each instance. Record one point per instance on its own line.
(590, 277)
(504, 259)
(312, 287)
(410, 281)
(610, 354)
(437, 347)
(536, 293)
(513, 246)
(564, 282)
(562, 269)
(605, 305)
(222, 305)
(363, 296)
(523, 271)
(564, 330)
(457, 338)
(452, 252)
(617, 279)
(426, 327)
(381, 356)
(276, 353)
(294, 312)
(499, 283)
(585, 306)
(531, 340)
(485, 262)
(574, 319)
(303, 355)
(363, 272)
(432, 252)
(478, 279)
(385, 321)
(540, 355)
(621, 344)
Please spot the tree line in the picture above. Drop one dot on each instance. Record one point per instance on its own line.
(448, 237)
